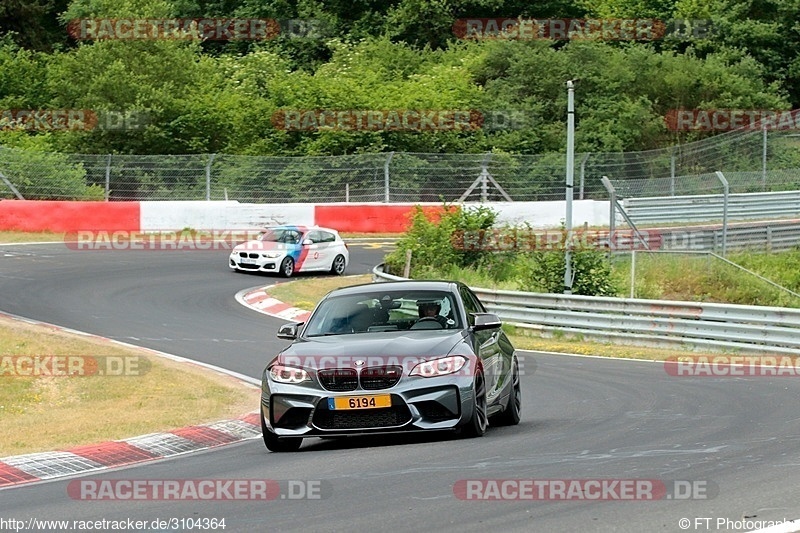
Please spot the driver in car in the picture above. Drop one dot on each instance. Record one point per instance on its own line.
(429, 310)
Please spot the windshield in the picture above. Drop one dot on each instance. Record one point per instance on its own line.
(285, 235)
(383, 311)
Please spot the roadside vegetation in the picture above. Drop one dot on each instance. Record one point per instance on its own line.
(30, 236)
(188, 96)
(51, 412)
(437, 251)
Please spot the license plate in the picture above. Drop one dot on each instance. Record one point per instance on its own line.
(359, 402)
(248, 261)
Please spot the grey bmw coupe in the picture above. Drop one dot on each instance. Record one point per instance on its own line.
(388, 358)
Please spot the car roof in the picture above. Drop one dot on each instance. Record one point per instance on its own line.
(421, 285)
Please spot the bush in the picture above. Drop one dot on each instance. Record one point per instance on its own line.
(431, 242)
(42, 175)
(434, 256)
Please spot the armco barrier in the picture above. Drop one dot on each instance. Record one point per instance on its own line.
(370, 218)
(43, 215)
(666, 209)
(747, 329)
(765, 236)
(395, 218)
(39, 215)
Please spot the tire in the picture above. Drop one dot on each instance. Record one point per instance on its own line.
(512, 413)
(478, 422)
(278, 445)
(287, 267)
(339, 265)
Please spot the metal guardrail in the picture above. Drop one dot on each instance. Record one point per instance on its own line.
(769, 236)
(668, 209)
(712, 326)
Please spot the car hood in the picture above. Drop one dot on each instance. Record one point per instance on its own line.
(374, 348)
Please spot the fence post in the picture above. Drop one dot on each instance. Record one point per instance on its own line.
(672, 173)
(208, 176)
(764, 159)
(611, 191)
(612, 223)
(108, 177)
(769, 239)
(583, 173)
(485, 177)
(725, 194)
(386, 177)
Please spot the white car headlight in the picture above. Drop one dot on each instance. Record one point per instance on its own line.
(439, 367)
(272, 255)
(288, 374)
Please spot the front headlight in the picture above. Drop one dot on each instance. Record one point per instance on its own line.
(439, 367)
(288, 374)
(272, 255)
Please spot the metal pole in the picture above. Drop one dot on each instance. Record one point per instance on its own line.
(672, 174)
(108, 177)
(633, 271)
(725, 191)
(612, 215)
(764, 159)
(485, 177)
(208, 176)
(583, 172)
(386, 177)
(569, 184)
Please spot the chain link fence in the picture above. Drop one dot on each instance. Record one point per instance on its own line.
(752, 161)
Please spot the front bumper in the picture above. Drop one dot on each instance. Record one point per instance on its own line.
(417, 404)
(253, 261)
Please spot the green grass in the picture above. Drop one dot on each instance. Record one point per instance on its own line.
(708, 279)
(30, 236)
(43, 413)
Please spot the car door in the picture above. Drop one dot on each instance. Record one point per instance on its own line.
(486, 344)
(327, 249)
(313, 258)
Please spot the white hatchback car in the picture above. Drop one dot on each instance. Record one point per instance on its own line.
(289, 249)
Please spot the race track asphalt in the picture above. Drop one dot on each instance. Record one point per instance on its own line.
(584, 418)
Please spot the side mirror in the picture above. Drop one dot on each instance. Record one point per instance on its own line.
(486, 321)
(307, 242)
(289, 331)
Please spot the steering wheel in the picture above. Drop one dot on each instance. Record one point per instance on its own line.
(427, 322)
